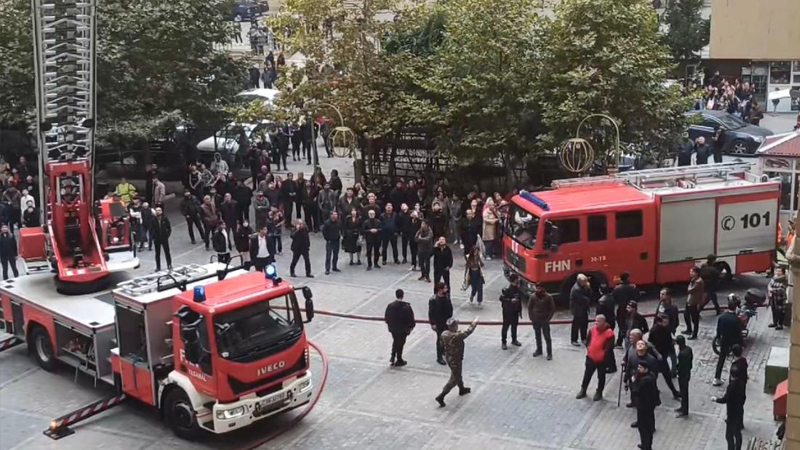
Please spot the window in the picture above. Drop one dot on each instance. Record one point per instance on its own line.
(779, 72)
(629, 224)
(522, 226)
(256, 329)
(570, 230)
(597, 229)
(710, 123)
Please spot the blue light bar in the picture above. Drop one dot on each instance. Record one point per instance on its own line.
(199, 294)
(535, 200)
(270, 272)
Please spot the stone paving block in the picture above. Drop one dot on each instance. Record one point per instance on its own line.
(368, 341)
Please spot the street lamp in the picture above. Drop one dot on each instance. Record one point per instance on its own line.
(340, 129)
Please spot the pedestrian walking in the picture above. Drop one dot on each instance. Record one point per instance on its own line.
(776, 292)
(695, 293)
(241, 240)
(541, 309)
(442, 261)
(684, 369)
(624, 293)
(711, 276)
(511, 303)
(301, 245)
(259, 248)
(579, 304)
(352, 237)
(399, 317)
(371, 229)
(332, 233)
(453, 342)
(161, 231)
(8, 251)
(734, 400)
(643, 386)
(661, 339)
(440, 310)
(473, 275)
(729, 333)
(222, 243)
(424, 240)
(599, 342)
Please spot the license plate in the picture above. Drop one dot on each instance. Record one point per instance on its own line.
(265, 404)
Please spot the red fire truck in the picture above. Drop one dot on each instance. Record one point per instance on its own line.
(655, 224)
(211, 348)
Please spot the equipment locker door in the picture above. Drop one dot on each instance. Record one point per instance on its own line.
(634, 232)
(745, 227)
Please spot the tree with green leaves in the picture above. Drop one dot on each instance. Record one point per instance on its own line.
(606, 57)
(688, 32)
(157, 62)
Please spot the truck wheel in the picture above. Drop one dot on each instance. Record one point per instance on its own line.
(725, 273)
(180, 415)
(42, 348)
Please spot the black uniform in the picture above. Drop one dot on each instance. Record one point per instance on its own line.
(646, 392)
(439, 310)
(442, 262)
(685, 358)
(332, 232)
(300, 247)
(400, 319)
(511, 301)
(734, 399)
(161, 229)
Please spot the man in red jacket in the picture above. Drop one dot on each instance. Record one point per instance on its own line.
(598, 343)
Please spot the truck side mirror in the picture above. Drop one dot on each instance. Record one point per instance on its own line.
(309, 303)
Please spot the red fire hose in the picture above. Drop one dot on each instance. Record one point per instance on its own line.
(263, 440)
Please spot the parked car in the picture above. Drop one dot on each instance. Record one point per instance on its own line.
(229, 140)
(740, 137)
(246, 10)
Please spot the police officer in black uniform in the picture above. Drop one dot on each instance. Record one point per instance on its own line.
(511, 301)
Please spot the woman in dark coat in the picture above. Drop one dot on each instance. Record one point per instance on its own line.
(352, 232)
(241, 239)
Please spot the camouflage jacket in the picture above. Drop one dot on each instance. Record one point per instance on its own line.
(453, 343)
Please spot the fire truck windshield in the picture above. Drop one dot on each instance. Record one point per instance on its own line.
(522, 226)
(257, 329)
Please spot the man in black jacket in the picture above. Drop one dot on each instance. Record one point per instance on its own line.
(289, 197)
(579, 303)
(511, 302)
(372, 228)
(260, 252)
(301, 245)
(190, 208)
(729, 333)
(634, 320)
(161, 230)
(222, 243)
(643, 386)
(734, 399)
(8, 251)
(390, 226)
(440, 308)
(332, 232)
(442, 261)
(684, 369)
(244, 197)
(411, 224)
(399, 318)
(661, 339)
(711, 276)
(623, 293)
(541, 309)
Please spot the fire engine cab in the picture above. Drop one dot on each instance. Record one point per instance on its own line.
(656, 224)
(212, 348)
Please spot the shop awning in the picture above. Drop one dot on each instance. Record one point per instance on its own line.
(787, 144)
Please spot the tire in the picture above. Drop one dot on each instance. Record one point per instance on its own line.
(740, 147)
(180, 415)
(42, 348)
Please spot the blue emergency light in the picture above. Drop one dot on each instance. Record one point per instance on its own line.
(535, 200)
(199, 294)
(270, 272)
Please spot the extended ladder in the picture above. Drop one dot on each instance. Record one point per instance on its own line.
(639, 178)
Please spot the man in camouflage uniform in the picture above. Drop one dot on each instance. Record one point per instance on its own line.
(453, 343)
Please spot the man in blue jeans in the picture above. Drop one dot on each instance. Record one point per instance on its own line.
(332, 232)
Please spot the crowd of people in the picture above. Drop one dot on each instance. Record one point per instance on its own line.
(735, 98)
(267, 76)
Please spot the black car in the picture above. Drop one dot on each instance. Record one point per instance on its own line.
(247, 10)
(740, 137)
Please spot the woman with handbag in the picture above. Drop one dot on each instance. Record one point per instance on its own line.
(473, 274)
(352, 236)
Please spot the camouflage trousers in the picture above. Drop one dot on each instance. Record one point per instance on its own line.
(455, 378)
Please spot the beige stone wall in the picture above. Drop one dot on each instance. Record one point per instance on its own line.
(755, 29)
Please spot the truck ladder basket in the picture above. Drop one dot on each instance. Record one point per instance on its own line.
(59, 427)
(639, 177)
(8, 342)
